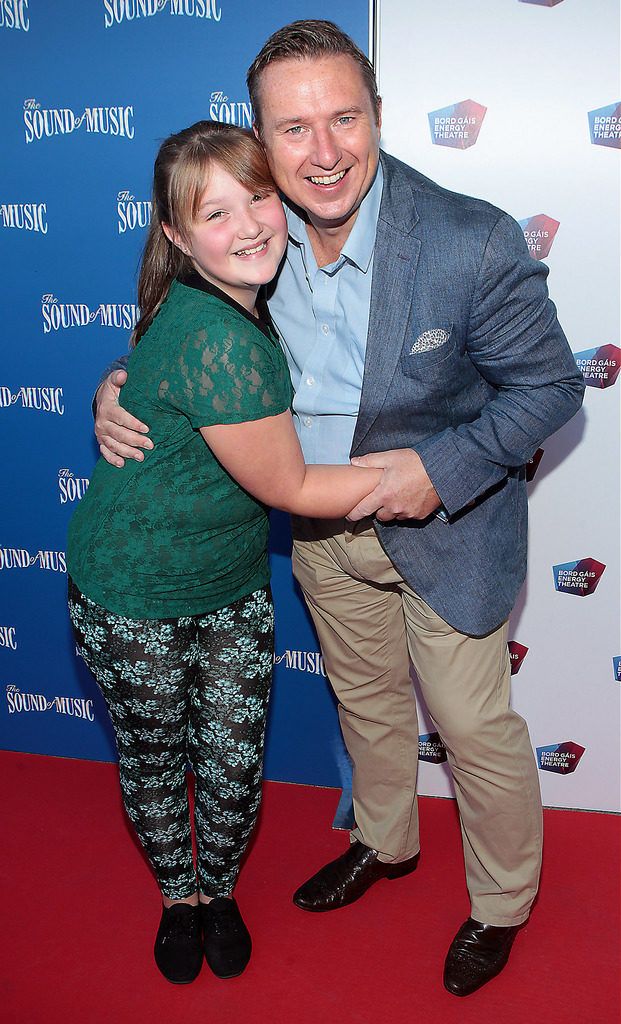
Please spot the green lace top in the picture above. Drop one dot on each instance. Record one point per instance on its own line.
(176, 535)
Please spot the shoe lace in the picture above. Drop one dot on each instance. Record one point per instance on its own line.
(180, 926)
(223, 919)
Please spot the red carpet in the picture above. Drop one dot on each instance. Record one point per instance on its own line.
(80, 911)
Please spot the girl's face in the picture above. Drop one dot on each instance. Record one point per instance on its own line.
(238, 238)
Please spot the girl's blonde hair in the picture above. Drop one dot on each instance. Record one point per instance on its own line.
(179, 179)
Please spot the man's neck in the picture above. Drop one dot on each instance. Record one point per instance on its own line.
(327, 242)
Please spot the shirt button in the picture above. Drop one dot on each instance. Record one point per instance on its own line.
(310, 381)
(307, 421)
(325, 329)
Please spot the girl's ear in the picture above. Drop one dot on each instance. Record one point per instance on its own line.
(175, 238)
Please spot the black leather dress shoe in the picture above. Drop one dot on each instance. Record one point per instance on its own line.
(476, 955)
(347, 878)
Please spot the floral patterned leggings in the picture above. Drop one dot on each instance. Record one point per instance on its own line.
(190, 689)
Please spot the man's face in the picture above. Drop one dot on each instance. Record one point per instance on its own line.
(321, 136)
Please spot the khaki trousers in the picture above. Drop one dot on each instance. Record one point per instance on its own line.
(369, 620)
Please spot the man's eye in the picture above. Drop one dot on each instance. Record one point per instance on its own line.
(295, 130)
(345, 119)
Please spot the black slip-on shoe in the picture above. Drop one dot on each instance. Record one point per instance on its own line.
(178, 950)
(226, 940)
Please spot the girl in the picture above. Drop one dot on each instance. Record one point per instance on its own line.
(167, 558)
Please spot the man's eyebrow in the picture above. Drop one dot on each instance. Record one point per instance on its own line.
(285, 122)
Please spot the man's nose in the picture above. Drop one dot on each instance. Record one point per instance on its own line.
(325, 154)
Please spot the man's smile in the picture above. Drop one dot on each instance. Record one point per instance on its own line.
(327, 179)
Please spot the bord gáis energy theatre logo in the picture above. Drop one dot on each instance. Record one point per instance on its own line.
(457, 126)
(517, 653)
(600, 367)
(561, 758)
(539, 233)
(579, 578)
(605, 126)
(431, 748)
(542, 3)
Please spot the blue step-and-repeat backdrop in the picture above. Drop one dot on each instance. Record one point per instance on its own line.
(89, 91)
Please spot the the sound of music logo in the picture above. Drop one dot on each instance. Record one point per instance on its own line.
(47, 122)
(228, 111)
(41, 399)
(21, 558)
(301, 661)
(14, 14)
(8, 638)
(132, 213)
(71, 488)
(24, 216)
(118, 11)
(63, 315)
(73, 707)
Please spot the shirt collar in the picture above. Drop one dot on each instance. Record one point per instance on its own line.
(359, 246)
(192, 279)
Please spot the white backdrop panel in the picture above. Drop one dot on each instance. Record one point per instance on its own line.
(539, 70)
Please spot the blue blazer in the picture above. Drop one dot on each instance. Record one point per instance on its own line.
(475, 398)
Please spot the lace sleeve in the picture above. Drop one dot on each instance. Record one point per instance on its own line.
(227, 374)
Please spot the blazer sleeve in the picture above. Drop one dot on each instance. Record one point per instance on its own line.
(117, 364)
(516, 343)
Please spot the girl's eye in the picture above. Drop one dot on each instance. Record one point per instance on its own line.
(257, 197)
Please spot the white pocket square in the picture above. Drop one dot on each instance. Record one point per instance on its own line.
(429, 340)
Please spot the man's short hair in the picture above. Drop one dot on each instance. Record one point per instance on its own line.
(302, 40)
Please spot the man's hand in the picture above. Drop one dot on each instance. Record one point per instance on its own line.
(120, 435)
(404, 492)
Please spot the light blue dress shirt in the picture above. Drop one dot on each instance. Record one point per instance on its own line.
(322, 317)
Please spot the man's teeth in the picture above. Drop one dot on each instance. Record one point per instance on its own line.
(328, 179)
(251, 252)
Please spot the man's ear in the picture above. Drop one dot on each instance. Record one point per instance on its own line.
(174, 237)
(256, 132)
(379, 114)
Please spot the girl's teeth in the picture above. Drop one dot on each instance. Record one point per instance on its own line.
(251, 252)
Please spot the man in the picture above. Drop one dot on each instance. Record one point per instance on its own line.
(420, 339)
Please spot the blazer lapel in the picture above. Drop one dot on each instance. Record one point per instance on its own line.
(395, 259)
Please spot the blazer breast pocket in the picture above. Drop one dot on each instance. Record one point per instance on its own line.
(424, 352)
